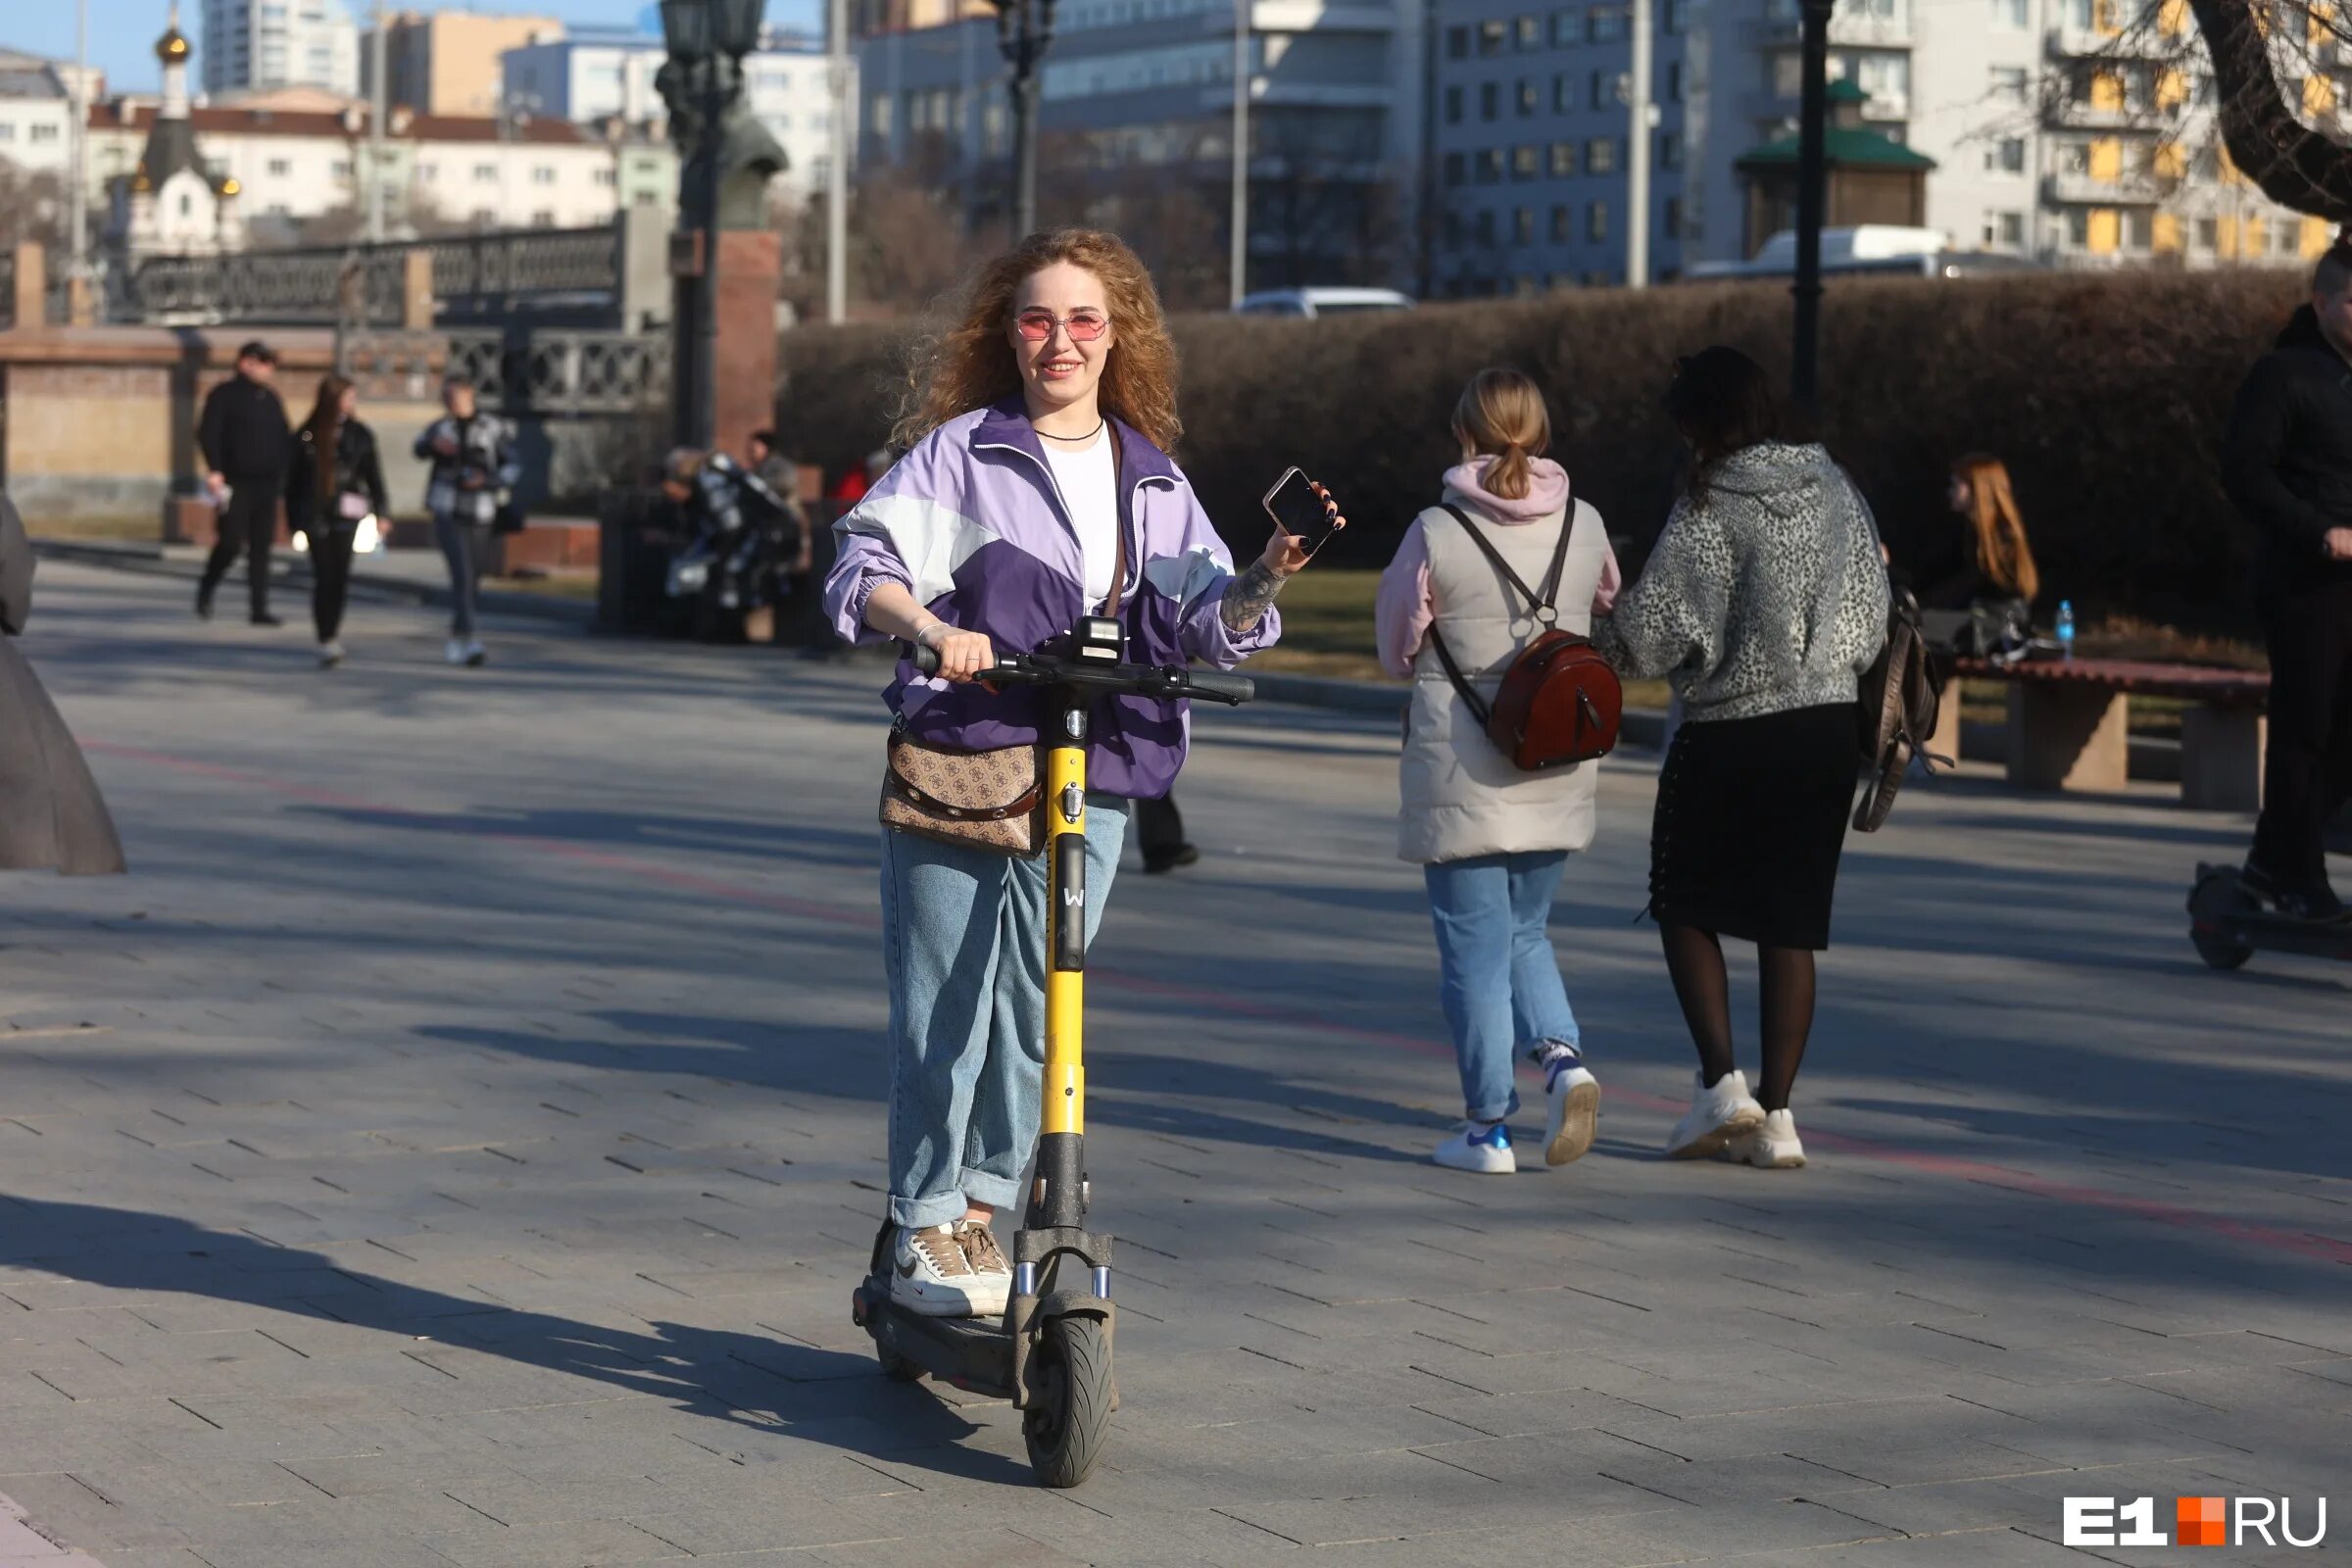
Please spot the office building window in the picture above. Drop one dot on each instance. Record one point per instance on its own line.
(2287, 238)
(1492, 35)
(1567, 28)
(608, 176)
(1607, 23)
(1601, 155)
(281, 168)
(1523, 226)
(1489, 100)
(2016, 15)
(1530, 32)
(8, 130)
(1563, 159)
(1482, 227)
(1451, 226)
(1526, 163)
(1458, 43)
(1563, 93)
(542, 175)
(1453, 169)
(485, 173)
(1670, 222)
(2012, 232)
(2008, 85)
(647, 198)
(1529, 101)
(2078, 228)
(1563, 226)
(1453, 105)
(1604, 89)
(1490, 165)
(1670, 150)
(2006, 156)
(543, 219)
(1675, 18)
(1596, 221)
(2139, 231)
(2208, 232)
(1674, 82)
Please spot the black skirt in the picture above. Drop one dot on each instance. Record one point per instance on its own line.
(1750, 819)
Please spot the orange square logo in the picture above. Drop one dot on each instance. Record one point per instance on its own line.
(2199, 1521)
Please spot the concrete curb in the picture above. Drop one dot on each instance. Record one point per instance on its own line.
(140, 557)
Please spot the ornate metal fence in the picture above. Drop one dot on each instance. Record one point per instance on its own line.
(553, 373)
(476, 277)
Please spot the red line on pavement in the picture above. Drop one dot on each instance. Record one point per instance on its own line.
(2304, 1244)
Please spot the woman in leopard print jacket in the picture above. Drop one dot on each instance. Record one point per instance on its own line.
(1762, 604)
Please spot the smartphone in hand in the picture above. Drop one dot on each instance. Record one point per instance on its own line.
(1302, 510)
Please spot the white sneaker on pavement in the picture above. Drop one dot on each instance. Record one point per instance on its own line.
(456, 654)
(1481, 1146)
(991, 1272)
(475, 654)
(930, 1274)
(330, 653)
(1575, 1097)
(1771, 1147)
(1716, 1116)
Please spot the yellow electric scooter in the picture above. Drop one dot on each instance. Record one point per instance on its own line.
(1050, 1353)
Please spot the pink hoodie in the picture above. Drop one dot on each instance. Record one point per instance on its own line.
(1402, 614)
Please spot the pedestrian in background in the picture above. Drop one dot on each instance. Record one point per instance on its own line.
(2287, 465)
(473, 462)
(246, 443)
(336, 484)
(1159, 836)
(1764, 601)
(1493, 841)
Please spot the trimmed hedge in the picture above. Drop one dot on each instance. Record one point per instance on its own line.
(2106, 395)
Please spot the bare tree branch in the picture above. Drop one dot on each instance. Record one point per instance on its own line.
(2291, 163)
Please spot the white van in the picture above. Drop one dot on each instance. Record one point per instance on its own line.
(1318, 302)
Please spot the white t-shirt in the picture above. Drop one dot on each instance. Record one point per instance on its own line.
(1090, 484)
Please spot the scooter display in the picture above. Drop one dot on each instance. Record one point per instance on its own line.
(2228, 923)
(1050, 1353)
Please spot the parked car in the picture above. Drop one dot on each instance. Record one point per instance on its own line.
(1319, 302)
(1867, 249)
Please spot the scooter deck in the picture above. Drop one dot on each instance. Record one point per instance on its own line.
(973, 1353)
(2271, 932)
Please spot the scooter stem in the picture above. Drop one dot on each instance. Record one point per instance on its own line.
(1062, 1117)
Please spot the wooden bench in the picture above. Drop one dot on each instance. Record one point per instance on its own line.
(2068, 726)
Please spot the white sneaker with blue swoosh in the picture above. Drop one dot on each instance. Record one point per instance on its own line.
(1481, 1146)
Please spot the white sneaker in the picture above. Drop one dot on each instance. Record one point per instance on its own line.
(1771, 1147)
(330, 653)
(1486, 1150)
(456, 653)
(1575, 1097)
(991, 1272)
(929, 1273)
(475, 654)
(1716, 1116)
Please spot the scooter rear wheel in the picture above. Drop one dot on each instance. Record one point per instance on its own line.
(2217, 898)
(1065, 1423)
(896, 1367)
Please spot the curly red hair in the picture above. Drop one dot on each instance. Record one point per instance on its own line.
(972, 365)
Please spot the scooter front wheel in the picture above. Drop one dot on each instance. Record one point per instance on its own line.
(1065, 1423)
(2217, 899)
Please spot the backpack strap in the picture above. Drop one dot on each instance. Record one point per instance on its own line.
(1539, 606)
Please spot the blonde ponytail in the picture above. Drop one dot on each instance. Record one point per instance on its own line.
(1502, 414)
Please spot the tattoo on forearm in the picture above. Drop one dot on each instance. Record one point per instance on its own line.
(1245, 601)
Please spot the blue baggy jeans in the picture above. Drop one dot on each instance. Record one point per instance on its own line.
(1499, 979)
(963, 944)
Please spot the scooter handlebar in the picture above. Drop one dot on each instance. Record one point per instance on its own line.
(1167, 681)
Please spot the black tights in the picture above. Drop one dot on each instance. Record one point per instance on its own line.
(1785, 975)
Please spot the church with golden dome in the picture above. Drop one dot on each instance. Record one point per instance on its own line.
(171, 204)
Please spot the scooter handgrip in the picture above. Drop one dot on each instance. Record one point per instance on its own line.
(1231, 689)
(925, 659)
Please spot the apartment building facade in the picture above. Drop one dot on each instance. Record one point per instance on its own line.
(37, 110)
(595, 74)
(1142, 92)
(2076, 133)
(278, 43)
(448, 62)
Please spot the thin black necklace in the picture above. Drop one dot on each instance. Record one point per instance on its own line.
(1088, 436)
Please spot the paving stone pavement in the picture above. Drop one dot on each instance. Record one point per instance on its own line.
(455, 1141)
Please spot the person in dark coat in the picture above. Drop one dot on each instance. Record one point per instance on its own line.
(52, 816)
(2287, 465)
(246, 443)
(335, 485)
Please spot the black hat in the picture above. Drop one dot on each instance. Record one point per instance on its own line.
(258, 350)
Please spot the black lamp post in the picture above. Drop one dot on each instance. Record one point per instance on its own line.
(706, 40)
(1024, 33)
(1804, 376)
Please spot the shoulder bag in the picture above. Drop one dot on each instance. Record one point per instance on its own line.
(1559, 703)
(992, 801)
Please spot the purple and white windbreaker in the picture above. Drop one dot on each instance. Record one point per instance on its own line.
(974, 526)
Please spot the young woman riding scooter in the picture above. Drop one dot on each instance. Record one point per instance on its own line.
(1035, 489)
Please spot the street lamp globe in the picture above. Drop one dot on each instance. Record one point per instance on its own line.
(736, 26)
(686, 27)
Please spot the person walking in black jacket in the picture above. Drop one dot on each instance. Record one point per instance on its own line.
(336, 483)
(246, 445)
(2287, 465)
